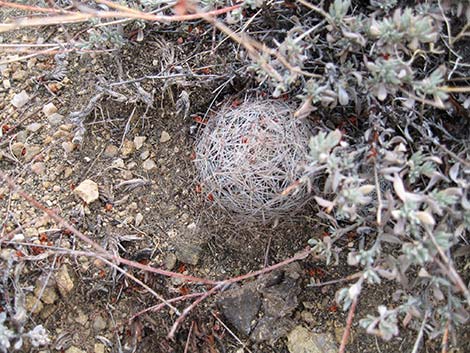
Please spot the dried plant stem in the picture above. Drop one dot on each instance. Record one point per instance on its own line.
(189, 336)
(344, 339)
(449, 268)
(188, 309)
(445, 338)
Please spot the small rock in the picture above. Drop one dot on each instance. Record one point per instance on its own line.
(49, 296)
(302, 340)
(22, 136)
(73, 349)
(49, 109)
(68, 171)
(99, 348)
(20, 99)
(271, 329)
(139, 142)
(19, 75)
(68, 146)
(240, 306)
(110, 151)
(99, 323)
(170, 261)
(165, 137)
(33, 127)
(56, 188)
(64, 281)
(188, 253)
(145, 154)
(6, 84)
(127, 148)
(87, 191)
(138, 219)
(118, 163)
(30, 301)
(131, 165)
(149, 164)
(31, 152)
(55, 119)
(17, 149)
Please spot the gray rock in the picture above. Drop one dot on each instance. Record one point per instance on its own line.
(302, 340)
(240, 306)
(55, 119)
(33, 127)
(170, 261)
(188, 253)
(271, 329)
(99, 324)
(280, 291)
(149, 164)
(110, 151)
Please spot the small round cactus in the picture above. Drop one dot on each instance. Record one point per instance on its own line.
(248, 156)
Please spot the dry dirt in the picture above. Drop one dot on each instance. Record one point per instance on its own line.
(150, 209)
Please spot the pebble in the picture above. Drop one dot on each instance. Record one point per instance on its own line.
(118, 163)
(22, 136)
(55, 119)
(17, 149)
(139, 142)
(99, 323)
(33, 127)
(110, 151)
(138, 219)
(49, 296)
(68, 172)
(20, 99)
(165, 137)
(30, 301)
(6, 84)
(31, 152)
(127, 148)
(64, 281)
(56, 188)
(49, 109)
(149, 164)
(302, 340)
(87, 190)
(38, 168)
(170, 261)
(145, 154)
(68, 146)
